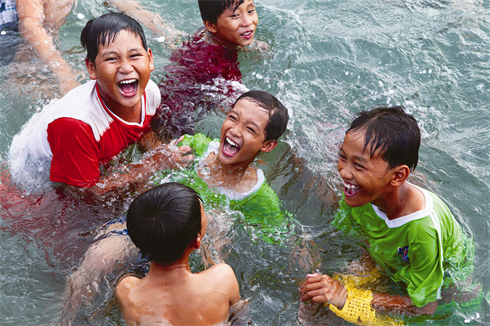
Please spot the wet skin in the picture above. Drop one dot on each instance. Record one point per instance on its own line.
(235, 26)
(243, 135)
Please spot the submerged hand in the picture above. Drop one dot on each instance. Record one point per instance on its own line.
(323, 289)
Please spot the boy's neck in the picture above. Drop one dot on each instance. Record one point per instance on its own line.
(128, 114)
(213, 40)
(401, 201)
(174, 270)
(234, 178)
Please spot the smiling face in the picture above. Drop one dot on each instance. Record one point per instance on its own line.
(243, 135)
(366, 179)
(235, 26)
(122, 69)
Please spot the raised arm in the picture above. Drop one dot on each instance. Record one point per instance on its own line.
(34, 17)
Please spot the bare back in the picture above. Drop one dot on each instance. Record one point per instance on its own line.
(178, 297)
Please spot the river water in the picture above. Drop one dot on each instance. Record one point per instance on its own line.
(327, 61)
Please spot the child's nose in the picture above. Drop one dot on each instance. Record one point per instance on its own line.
(344, 171)
(235, 131)
(126, 67)
(246, 21)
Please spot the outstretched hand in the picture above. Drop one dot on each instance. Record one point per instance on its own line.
(170, 156)
(323, 289)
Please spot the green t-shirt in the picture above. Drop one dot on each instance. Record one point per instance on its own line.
(259, 207)
(426, 250)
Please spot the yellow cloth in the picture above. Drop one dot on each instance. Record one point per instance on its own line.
(357, 308)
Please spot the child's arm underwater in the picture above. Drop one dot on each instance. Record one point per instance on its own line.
(151, 20)
(111, 251)
(35, 16)
(161, 156)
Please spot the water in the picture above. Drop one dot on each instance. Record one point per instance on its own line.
(327, 61)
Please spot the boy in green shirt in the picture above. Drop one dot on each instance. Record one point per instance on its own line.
(225, 172)
(408, 231)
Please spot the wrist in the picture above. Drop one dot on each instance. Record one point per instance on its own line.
(343, 295)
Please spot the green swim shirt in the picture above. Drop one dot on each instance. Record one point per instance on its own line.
(259, 207)
(426, 250)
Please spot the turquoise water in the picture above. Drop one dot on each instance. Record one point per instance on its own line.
(327, 61)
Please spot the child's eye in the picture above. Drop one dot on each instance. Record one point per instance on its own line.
(359, 166)
(232, 118)
(251, 130)
(251, 11)
(110, 59)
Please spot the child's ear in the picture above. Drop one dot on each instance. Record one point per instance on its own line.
(197, 242)
(213, 28)
(400, 175)
(268, 146)
(91, 69)
(150, 57)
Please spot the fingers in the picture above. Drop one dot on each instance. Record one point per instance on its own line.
(185, 149)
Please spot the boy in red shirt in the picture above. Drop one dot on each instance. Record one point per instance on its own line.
(96, 121)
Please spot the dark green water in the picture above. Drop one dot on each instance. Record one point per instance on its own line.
(328, 60)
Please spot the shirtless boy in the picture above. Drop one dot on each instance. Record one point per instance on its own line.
(167, 223)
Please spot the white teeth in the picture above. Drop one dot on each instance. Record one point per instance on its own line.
(349, 186)
(247, 33)
(128, 81)
(232, 143)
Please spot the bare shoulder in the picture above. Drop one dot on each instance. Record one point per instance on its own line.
(220, 270)
(222, 277)
(124, 286)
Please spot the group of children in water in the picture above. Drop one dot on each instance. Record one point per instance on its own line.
(407, 232)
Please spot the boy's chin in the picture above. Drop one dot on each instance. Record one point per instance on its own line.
(351, 202)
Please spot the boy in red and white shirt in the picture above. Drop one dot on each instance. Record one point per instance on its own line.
(96, 121)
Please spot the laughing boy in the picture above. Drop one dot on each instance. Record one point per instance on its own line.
(96, 121)
(408, 232)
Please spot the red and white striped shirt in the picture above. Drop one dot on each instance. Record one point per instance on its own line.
(79, 132)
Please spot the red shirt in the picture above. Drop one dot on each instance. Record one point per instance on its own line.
(79, 132)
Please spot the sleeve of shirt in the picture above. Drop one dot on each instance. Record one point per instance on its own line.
(153, 97)
(424, 275)
(75, 160)
(198, 142)
(262, 210)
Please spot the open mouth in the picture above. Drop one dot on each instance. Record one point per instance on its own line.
(128, 87)
(230, 148)
(350, 190)
(247, 34)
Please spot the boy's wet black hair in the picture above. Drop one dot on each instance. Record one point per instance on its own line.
(392, 132)
(104, 29)
(164, 220)
(278, 114)
(212, 9)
